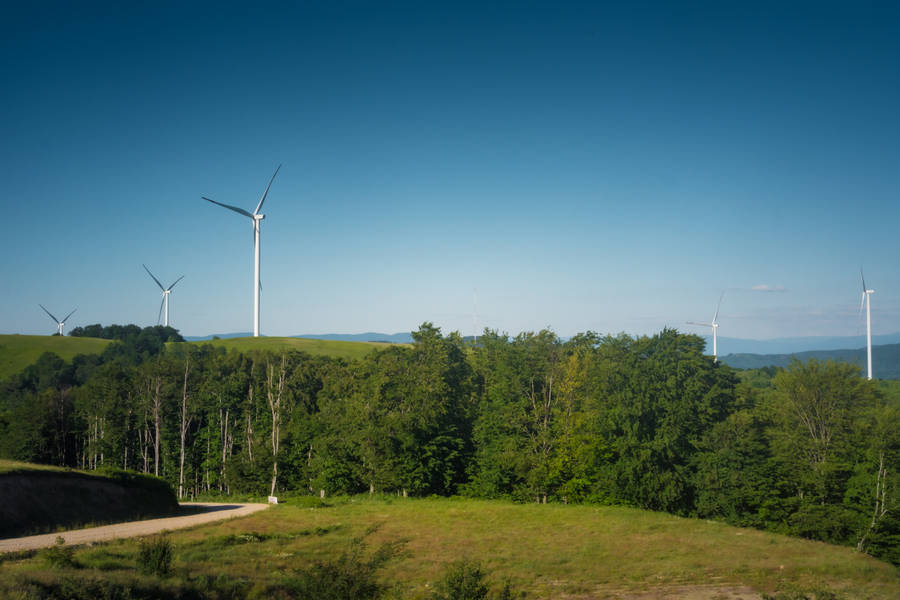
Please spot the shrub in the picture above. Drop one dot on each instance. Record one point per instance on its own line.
(463, 580)
(351, 576)
(59, 556)
(155, 556)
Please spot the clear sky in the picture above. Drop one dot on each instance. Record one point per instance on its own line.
(611, 167)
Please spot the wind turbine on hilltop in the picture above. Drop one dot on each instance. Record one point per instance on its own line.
(166, 292)
(715, 328)
(59, 324)
(865, 300)
(256, 217)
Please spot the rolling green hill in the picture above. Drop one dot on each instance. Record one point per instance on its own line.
(333, 348)
(559, 551)
(885, 359)
(19, 351)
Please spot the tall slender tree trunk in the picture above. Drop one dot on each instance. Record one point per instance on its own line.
(185, 423)
(157, 419)
(274, 394)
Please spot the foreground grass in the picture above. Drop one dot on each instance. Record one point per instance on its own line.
(19, 351)
(550, 551)
(337, 349)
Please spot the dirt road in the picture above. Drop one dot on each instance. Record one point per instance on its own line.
(209, 512)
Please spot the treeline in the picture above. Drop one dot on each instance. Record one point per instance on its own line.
(812, 450)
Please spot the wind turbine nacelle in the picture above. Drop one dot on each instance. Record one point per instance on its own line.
(259, 217)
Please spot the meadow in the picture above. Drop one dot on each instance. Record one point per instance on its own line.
(544, 551)
(332, 348)
(19, 351)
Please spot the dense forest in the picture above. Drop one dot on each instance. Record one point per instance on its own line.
(812, 450)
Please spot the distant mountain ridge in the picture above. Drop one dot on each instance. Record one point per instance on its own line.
(885, 359)
(796, 344)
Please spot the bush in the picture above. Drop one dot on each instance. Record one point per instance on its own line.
(463, 580)
(351, 576)
(155, 556)
(59, 556)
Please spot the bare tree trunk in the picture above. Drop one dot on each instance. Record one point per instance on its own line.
(250, 427)
(157, 419)
(275, 407)
(185, 423)
(880, 506)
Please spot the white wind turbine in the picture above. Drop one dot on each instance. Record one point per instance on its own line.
(715, 328)
(59, 324)
(256, 217)
(865, 300)
(166, 292)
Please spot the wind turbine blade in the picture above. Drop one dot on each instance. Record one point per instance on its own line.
(159, 316)
(49, 313)
(718, 306)
(862, 302)
(154, 277)
(263, 199)
(701, 324)
(229, 207)
(69, 315)
(173, 285)
(863, 277)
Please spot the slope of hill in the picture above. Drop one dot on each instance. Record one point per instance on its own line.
(337, 349)
(576, 552)
(885, 359)
(19, 351)
(38, 498)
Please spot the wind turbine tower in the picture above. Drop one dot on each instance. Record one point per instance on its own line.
(59, 324)
(475, 315)
(715, 328)
(256, 217)
(865, 300)
(166, 291)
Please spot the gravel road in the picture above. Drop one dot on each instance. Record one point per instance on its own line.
(210, 512)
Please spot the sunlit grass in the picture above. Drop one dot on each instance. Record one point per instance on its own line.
(19, 351)
(548, 551)
(334, 348)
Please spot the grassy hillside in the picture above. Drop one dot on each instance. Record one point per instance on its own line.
(38, 498)
(334, 348)
(19, 351)
(885, 359)
(548, 551)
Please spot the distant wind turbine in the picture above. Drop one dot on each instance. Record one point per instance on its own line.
(475, 314)
(256, 217)
(715, 328)
(166, 291)
(59, 324)
(865, 300)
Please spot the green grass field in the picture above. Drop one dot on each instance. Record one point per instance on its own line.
(349, 350)
(19, 351)
(548, 551)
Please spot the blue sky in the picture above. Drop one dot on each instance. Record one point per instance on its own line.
(588, 166)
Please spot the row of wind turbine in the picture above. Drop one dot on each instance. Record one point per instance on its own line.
(864, 301)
